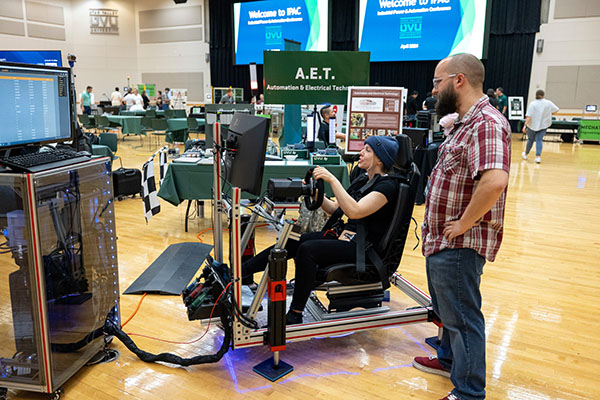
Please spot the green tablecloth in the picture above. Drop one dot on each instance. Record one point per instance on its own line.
(557, 124)
(194, 182)
(129, 113)
(130, 124)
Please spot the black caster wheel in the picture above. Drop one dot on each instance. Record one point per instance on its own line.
(3, 393)
(56, 395)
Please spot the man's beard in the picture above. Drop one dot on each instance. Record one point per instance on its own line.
(447, 101)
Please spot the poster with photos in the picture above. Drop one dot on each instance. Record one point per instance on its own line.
(372, 111)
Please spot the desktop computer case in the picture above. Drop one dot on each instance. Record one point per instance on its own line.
(58, 272)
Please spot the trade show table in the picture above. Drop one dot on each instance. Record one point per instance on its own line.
(179, 113)
(131, 125)
(571, 126)
(184, 181)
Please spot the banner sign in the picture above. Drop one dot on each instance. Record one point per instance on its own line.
(299, 77)
(515, 108)
(372, 111)
(589, 129)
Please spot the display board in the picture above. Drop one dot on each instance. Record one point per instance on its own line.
(299, 77)
(51, 58)
(372, 111)
(411, 30)
(178, 98)
(516, 108)
(264, 25)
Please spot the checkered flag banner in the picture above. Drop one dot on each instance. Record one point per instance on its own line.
(162, 164)
(149, 192)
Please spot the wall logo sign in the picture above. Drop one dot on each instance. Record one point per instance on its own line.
(104, 21)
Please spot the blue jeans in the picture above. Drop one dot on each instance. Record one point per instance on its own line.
(87, 110)
(537, 136)
(453, 277)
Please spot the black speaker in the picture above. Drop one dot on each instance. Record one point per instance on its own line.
(180, 1)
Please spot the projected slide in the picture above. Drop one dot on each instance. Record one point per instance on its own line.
(411, 30)
(264, 25)
(42, 57)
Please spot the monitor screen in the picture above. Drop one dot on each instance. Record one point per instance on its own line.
(246, 150)
(414, 30)
(35, 105)
(265, 25)
(50, 58)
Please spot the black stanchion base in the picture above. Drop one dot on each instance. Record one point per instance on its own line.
(433, 342)
(268, 369)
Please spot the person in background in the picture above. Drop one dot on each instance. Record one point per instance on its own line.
(537, 120)
(491, 94)
(253, 100)
(323, 134)
(261, 99)
(86, 101)
(227, 98)
(145, 99)
(166, 99)
(133, 101)
(464, 221)
(429, 103)
(115, 98)
(412, 107)
(502, 101)
(159, 103)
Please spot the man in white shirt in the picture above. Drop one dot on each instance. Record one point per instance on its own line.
(115, 98)
(134, 101)
(537, 120)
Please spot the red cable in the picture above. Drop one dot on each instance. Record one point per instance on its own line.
(193, 341)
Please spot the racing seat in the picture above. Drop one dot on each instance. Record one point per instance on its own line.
(353, 285)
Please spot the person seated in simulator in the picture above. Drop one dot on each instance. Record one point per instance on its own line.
(374, 207)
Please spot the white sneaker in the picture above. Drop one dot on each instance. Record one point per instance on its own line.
(538, 160)
(524, 156)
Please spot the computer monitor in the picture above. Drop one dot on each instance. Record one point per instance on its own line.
(246, 150)
(37, 57)
(36, 107)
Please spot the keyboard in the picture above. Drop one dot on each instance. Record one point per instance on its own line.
(36, 162)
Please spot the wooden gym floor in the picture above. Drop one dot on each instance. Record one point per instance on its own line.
(541, 300)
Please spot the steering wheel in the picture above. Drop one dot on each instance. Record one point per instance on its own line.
(311, 204)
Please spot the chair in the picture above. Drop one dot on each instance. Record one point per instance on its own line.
(366, 289)
(160, 128)
(86, 121)
(168, 113)
(146, 124)
(192, 125)
(102, 123)
(110, 140)
(150, 113)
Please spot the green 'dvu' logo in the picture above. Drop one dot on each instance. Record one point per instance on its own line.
(411, 27)
(273, 35)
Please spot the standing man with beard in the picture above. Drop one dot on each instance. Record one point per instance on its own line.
(464, 218)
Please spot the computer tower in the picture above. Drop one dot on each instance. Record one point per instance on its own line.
(58, 272)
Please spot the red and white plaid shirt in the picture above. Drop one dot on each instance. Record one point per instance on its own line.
(478, 142)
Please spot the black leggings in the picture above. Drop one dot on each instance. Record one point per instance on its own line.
(313, 251)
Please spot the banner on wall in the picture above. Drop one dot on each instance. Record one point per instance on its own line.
(516, 108)
(150, 89)
(372, 111)
(300, 77)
